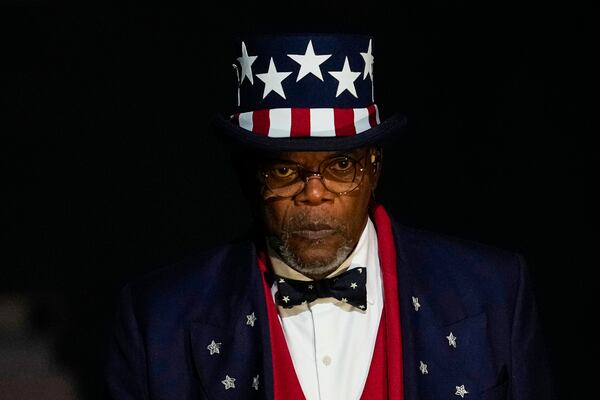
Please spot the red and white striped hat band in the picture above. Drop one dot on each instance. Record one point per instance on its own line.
(308, 122)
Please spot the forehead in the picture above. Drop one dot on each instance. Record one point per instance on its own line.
(311, 157)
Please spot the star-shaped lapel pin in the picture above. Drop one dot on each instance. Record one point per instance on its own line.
(423, 368)
(214, 347)
(416, 304)
(272, 79)
(255, 382)
(451, 340)
(246, 62)
(309, 62)
(461, 391)
(345, 78)
(353, 285)
(286, 299)
(250, 319)
(229, 382)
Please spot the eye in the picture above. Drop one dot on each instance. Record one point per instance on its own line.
(341, 165)
(282, 172)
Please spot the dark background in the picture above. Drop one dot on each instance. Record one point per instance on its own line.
(111, 169)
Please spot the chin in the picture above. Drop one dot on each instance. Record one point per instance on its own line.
(318, 258)
(316, 249)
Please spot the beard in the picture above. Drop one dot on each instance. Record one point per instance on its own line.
(315, 267)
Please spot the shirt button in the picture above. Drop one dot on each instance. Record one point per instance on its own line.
(326, 360)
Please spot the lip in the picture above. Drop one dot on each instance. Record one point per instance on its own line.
(314, 234)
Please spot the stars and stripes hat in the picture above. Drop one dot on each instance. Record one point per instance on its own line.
(302, 92)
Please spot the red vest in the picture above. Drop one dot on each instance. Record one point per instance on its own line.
(384, 381)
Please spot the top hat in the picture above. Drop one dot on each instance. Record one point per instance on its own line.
(307, 92)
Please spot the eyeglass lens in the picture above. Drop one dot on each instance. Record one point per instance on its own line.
(339, 175)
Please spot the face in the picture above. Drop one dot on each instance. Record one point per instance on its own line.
(315, 230)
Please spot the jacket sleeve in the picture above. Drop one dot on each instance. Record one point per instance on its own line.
(125, 368)
(531, 376)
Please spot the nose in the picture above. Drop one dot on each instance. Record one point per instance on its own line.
(314, 192)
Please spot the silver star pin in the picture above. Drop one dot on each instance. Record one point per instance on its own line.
(451, 340)
(229, 382)
(281, 280)
(361, 307)
(360, 270)
(416, 303)
(310, 286)
(286, 299)
(344, 300)
(255, 382)
(353, 285)
(250, 319)
(461, 391)
(423, 368)
(213, 347)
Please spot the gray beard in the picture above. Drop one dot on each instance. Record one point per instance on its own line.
(314, 269)
(317, 268)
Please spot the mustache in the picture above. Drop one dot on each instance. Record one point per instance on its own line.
(308, 222)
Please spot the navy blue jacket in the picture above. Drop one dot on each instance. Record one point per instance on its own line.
(166, 320)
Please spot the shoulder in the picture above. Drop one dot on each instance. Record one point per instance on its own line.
(455, 251)
(184, 283)
(449, 266)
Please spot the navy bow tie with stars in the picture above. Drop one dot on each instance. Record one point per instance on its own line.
(349, 287)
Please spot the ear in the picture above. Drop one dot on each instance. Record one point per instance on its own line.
(375, 161)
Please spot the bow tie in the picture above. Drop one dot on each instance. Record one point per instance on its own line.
(349, 287)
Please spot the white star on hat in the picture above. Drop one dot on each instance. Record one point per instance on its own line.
(369, 59)
(309, 62)
(246, 62)
(273, 79)
(346, 78)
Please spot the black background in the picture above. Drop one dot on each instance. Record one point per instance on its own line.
(112, 169)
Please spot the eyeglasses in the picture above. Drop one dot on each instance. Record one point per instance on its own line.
(340, 175)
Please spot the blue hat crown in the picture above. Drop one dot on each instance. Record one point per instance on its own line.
(314, 85)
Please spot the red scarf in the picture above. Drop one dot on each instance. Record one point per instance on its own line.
(385, 381)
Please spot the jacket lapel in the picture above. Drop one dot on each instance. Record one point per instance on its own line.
(230, 343)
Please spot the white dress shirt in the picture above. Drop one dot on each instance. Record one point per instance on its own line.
(331, 343)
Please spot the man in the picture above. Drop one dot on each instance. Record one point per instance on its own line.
(333, 300)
